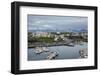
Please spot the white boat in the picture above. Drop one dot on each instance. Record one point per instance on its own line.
(45, 49)
(52, 55)
(70, 44)
(39, 50)
(83, 53)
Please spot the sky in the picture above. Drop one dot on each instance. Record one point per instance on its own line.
(57, 23)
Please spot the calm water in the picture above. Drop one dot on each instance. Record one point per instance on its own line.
(65, 52)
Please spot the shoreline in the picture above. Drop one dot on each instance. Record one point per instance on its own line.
(54, 44)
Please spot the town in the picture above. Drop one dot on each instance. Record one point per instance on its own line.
(41, 40)
(55, 38)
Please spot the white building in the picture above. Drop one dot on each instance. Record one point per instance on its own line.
(41, 34)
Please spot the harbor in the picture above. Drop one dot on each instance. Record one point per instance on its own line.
(57, 37)
(58, 52)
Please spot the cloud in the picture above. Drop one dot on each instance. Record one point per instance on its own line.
(36, 22)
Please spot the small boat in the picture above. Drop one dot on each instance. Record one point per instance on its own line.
(83, 53)
(70, 44)
(39, 50)
(52, 55)
(45, 49)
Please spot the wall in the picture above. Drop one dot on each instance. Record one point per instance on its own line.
(5, 41)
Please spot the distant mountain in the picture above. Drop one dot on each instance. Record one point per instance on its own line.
(67, 30)
(80, 30)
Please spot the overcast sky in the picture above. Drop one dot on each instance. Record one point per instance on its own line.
(58, 23)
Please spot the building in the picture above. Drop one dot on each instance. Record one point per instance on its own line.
(41, 34)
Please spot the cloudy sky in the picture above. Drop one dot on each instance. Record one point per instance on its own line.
(56, 23)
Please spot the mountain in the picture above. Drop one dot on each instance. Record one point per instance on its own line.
(67, 30)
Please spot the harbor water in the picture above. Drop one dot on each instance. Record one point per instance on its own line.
(64, 52)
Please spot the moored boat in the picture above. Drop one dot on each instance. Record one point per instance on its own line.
(52, 55)
(39, 50)
(83, 53)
